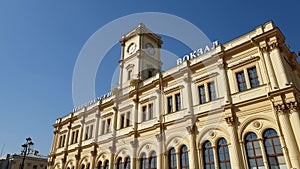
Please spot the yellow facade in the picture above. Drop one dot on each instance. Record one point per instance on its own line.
(235, 106)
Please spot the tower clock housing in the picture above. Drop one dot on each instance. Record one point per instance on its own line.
(140, 58)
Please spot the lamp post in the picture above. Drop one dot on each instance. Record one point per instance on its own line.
(26, 149)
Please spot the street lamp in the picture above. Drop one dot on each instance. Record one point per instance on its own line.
(26, 150)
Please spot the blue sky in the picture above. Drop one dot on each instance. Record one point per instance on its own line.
(41, 40)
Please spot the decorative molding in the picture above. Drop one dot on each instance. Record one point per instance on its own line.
(221, 65)
(187, 79)
(174, 89)
(176, 141)
(206, 76)
(112, 149)
(192, 129)
(274, 45)
(134, 143)
(94, 153)
(281, 109)
(142, 101)
(128, 107)
(77, 156)
(148, 147)
(159, 137)
(242, 61)
(230, 120)
(265, 49)
(212, 134)
(293, 107)
(257, 124)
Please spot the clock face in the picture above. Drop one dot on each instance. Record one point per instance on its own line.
(131, 48)
(150, 49)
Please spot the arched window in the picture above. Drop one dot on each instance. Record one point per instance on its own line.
(184, 157)
(119, 163)
(208, 156)
(172, 159)
(127, 163)
(273, 149)
(253, 150)
(99, 165)
(144, 162)
(223, 154)
(106, 164)
(153, 160)
(82, 166)
(88, 166)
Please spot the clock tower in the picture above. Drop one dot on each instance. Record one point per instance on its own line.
(140, 58)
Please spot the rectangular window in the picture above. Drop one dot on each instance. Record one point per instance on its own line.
(72, 137)
(178, 102)
(59, 142)
(144, 113)
(252, 73)
(240, 76)
(108, 129)
(86, 133)
(170, 104)
(76, 136)
(62, 140)
(129, 74)
(128, 119)
(103, 127)
(212, 91)
(202, 97)
(151, 115)
(91, 131)
(122, 122)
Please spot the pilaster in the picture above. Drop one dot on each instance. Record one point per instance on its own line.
(292, 148)
(295, 119)
(277, 61)
(234, 147)
(224, 79)
(134, 144)
(270, 68)
(194, 162)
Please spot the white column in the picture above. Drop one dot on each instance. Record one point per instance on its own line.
(215, 151)
(295, 120)
(263, 152)
(134, 157)
(223, 85)
(234, 148)
(161, 160)
(193, 158)
(288, 134)
(270, 68)
(187, 96)
(96, 134)
(277, 61)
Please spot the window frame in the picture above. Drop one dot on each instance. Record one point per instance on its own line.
(225, 154)
(184, 157)
(276, 154)
(245, 69)
(172, 158)
(205, 92)
(207, 147)
(255, 145)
